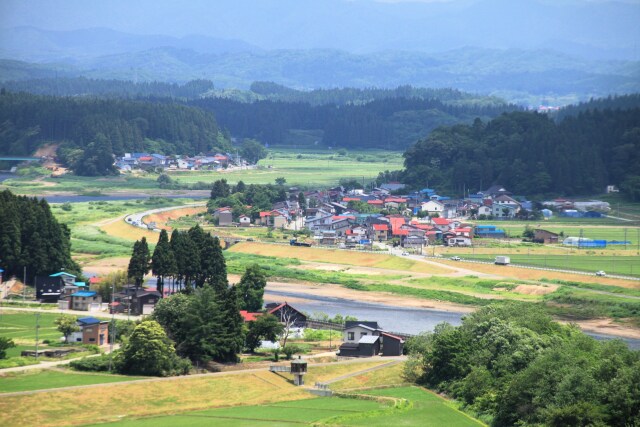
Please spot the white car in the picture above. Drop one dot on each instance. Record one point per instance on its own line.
(455, 258)
(405, 253)
(600, 273)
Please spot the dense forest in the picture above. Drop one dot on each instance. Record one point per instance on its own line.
(391, 122)
(31, 237)
(92, 128)
(346, 117)
(108, 88)
(531, 154)
(512, 365)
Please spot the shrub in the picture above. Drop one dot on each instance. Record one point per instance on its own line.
(93, 364)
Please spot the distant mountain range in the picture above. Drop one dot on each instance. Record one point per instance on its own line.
(527, 77)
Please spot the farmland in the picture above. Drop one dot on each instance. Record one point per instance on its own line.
(21, 328)
(302, 167)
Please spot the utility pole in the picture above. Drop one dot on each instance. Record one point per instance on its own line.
(113, 326)
(625, 239)
(37, 329)
(24, 284)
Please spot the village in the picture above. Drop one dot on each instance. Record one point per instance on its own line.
(383, 215)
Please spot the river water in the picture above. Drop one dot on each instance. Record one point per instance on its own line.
(395, 319)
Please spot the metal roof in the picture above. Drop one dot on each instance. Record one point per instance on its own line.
(62, 273)
(369, 339)
(84, 294)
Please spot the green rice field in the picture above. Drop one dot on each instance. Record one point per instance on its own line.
(425, 409)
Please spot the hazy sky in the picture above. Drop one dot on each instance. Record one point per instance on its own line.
(350, 24)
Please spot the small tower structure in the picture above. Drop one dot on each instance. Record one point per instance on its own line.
(298, 370)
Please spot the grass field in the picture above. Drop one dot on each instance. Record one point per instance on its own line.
(117, 401)
(361, 259)
(428, 410)
(298, 167)
(623, 265)
(21, 328)
(40, 380)
(277, 414)
(425, 409)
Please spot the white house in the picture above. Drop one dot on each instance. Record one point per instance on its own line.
(245, 220)
(432, 207)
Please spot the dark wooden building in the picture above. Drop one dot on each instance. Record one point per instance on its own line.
(136, 301)
(287, 314)
(367, 346)
(392, 345)
(544, 236)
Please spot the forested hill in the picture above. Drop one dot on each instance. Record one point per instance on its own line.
(108, 88)
(622, 102)
(531, 154)
(26, 121)
(392, 122)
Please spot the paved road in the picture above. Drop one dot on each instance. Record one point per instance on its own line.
(136, 218)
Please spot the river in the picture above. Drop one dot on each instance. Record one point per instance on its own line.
(396, 319)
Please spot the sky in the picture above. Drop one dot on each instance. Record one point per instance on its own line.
(355, 25)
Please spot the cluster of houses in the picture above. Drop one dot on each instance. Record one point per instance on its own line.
(334, 222)
(63, 289)
(208, 161)
(576, 209)
(360, 338)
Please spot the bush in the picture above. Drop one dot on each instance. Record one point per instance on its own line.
(67, 207)
(292, 349)
(93, 364)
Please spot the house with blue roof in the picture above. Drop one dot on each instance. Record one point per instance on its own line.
(92, 331)
(85, 301)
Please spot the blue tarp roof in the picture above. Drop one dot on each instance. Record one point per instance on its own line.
(88, 320)
(80, 284)
(84, 294)
(62, 273)
(1, 270)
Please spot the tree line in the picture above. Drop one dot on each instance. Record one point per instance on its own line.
(202, 316)
(109, 88)
(512, 365)
(387, 122)
(31, 237)
(245, 199)
(119, 126)
(531, 154)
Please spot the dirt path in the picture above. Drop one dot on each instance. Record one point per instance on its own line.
(46, 365)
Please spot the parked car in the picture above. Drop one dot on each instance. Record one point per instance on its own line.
(455, 258)
(405, 253)
(600, 273)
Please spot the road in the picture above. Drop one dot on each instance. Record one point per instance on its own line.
(136, 218)
(100, 315)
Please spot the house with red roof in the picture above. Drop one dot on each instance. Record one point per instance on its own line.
(380, 232)
(441, 224)
(248, 316)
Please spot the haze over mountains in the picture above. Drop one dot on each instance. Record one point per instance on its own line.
(527, 51)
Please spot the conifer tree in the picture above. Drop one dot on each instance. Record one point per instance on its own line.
(139, 262)
(163, 262)
(251, 288)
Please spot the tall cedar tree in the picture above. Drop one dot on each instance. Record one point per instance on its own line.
(163, 263)
(31, 237)
(251, 288)
(187, 256)
(139, 262)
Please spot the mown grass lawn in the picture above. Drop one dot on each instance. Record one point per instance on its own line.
(40, 380)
